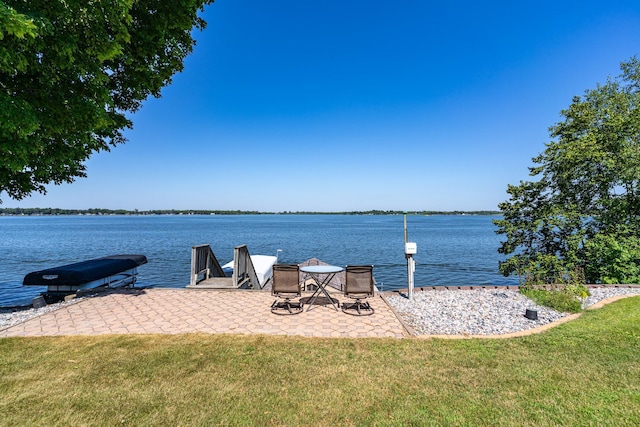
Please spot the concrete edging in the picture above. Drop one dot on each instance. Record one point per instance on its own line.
(408, 329)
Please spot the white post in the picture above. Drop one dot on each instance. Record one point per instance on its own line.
(410, 269)
(410, 248)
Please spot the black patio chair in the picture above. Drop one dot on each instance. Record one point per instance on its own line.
(285, 283)
(358, 285)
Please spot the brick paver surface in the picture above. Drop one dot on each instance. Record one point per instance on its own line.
(176, 311)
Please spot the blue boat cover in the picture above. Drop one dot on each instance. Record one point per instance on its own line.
(84, 272)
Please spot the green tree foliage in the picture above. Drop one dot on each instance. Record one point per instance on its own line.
(581, 217)
(70, 71)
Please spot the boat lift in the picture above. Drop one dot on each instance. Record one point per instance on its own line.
(106, 272)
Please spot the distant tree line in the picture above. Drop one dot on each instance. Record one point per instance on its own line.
(96, 211)
(99, 211)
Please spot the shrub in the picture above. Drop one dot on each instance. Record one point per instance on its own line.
(566, 299)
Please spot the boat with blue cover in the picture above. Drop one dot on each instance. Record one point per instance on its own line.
(110, 271)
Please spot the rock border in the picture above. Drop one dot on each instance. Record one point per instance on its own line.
(532, 331)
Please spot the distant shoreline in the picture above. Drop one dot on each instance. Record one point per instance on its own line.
(124, 212)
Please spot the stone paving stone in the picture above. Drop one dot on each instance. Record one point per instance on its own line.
(173, 311)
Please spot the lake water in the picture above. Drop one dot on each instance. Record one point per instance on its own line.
(452, 250)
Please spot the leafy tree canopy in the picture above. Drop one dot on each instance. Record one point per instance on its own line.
(580, 220)
(70, 71)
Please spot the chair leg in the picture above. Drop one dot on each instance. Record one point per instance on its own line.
(286, 307)
(361, 308)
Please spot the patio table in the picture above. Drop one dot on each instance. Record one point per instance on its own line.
(322, 274)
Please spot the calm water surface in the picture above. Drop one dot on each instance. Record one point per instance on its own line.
(452, 250)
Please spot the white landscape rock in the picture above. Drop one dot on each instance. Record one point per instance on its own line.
(481, 311)
(10, 317)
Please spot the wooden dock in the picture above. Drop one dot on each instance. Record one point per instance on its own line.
(307, 282)
(215, 283)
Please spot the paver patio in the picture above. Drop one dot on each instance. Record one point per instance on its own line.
(177, 311)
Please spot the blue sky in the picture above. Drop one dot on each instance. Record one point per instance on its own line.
(290, 105)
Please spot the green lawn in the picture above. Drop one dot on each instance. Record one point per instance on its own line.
(585, 372)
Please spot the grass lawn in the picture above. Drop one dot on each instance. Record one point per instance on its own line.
(585, 372)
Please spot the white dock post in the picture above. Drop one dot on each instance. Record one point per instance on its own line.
(410, 249)
(411, 268)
